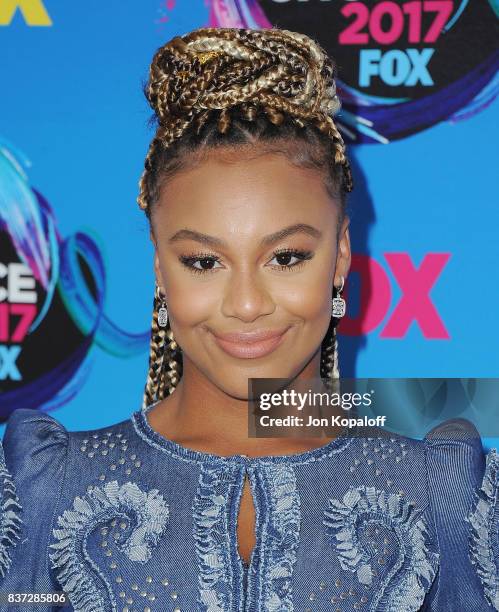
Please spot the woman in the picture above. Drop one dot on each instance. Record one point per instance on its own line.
(176, 508)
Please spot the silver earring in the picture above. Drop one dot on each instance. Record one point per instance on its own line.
(163, 311)
(339, 304)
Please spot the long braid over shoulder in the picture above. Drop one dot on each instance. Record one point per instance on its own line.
(270, 89)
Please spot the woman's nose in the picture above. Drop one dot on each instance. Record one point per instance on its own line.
(247, 297)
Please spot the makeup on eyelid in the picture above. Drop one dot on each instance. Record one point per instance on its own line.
(301, 255)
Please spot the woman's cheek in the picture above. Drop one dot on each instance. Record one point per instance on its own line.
(309, 296)
(189, 309)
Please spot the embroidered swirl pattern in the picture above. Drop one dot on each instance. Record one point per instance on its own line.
(148, 513)
(276, 491)
(281, 536)
(212, 545)
(10, 520)
(405, 581)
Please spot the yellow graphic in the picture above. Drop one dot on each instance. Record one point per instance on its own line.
(33, 11)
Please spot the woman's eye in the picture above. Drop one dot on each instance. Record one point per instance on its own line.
(285, 258)
(205, 264)
(202, 264)
(199, 264)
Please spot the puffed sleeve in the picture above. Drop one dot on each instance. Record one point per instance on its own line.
(455, 463)
(33, 460)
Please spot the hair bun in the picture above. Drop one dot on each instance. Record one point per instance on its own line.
(219, 68)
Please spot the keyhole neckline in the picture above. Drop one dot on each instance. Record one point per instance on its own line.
(174, 449)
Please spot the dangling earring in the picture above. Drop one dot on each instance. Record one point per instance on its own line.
(163, 311)
(339, 305)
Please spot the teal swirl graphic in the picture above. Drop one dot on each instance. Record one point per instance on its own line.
(29, 222)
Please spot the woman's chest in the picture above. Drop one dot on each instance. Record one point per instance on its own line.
(178, 540)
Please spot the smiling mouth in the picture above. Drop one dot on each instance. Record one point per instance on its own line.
(250, 350)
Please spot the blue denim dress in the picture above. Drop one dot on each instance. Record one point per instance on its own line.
(123, 519)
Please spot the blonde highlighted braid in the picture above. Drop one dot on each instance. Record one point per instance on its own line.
(271, 88)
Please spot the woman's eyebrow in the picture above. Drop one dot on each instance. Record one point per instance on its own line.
(213, 241)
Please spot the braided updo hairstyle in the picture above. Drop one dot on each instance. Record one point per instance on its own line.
(271, 90)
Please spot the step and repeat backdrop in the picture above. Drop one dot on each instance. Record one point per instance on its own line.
(418, 80)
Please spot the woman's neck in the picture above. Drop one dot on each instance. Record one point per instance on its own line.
(201, 417)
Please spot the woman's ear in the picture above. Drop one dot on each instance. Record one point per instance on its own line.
(344, 254)
(157, 272)
(156, 266)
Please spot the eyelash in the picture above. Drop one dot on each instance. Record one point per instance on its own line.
(188, 260)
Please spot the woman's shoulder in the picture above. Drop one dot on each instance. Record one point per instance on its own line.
(38, 451)
(459, 486)
(453, 445)
(455, 464)
(450, 445)
(32, 455)
(31, 431)
(42, 461)
(452, 458)
(463, 483)
(455, 468)
(33, 434)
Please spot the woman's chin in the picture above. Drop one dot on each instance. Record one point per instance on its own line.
(252, 384)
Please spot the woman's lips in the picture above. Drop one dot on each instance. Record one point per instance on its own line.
(251, 350)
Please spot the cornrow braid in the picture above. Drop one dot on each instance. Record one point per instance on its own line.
(270, 89)
(163, 350)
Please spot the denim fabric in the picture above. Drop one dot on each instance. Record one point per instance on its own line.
(122, 518)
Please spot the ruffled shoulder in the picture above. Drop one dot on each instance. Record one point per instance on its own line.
(484, 522)
(32, 460)
(10, 516)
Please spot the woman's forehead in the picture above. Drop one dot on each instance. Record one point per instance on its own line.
(267, 181)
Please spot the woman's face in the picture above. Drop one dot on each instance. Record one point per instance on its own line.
(223, 267)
